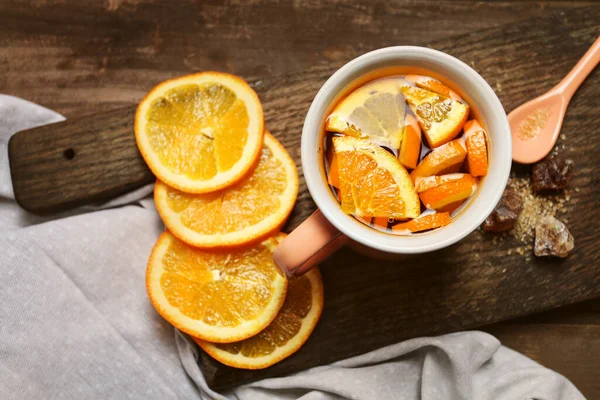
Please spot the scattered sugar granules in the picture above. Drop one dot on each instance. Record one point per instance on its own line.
(534, 208)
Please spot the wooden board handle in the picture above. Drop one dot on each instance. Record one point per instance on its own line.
(67, 164)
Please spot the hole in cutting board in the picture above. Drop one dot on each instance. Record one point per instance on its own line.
(69, 154)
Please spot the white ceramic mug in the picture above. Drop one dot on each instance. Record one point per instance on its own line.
(329, 227)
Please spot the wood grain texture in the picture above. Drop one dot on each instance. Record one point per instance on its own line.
(79, 59)
(71, 163)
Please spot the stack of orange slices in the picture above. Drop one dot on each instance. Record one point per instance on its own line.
(224, 189)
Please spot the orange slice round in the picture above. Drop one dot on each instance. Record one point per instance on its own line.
(373, 183)
(477, 156)
(216, 296)
(450, 191)
(440, 117)
(424, 223)
(410, 149)
(375, 110)
(200, 133)
(244, 212)
(284, 336)
(441, 160)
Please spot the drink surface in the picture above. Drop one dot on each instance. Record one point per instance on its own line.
(404, 154)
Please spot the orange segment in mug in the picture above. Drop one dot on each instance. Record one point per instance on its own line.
(428, 133)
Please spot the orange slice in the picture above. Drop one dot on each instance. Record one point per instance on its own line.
(247, 211)
(451, 191)
(284, 336)
(200, 133)
(430, 182)
(441, 159)
(373, 183)
(425, 82)
(338, 194)
(366, 221)
(410, 149)
(381, 222)
(440, 117)
(450, 208)
(477, 157)
(216, 296)
(424, 223)
(375, 110)
(451, 169)
(334, 178)
(332, 170)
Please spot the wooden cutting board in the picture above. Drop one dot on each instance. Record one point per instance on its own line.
(370, 304)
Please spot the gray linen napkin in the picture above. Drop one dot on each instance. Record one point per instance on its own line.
(75, 322)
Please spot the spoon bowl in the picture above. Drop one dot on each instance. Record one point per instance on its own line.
(535, 126)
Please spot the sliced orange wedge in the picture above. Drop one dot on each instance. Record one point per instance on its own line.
(217, 296)
(332, 173)
(430, 182)
(410, 149)
(247, 211)
(373, 183)
(425, 82)
(450, 208)
(200, 133)
(334, 179)
(451, 169)
(440, 117)
(381, 222)
(477, 156)
(424, 223)
(366, 221)
(445, 157)
(375, 110)
(284, 336)
(454, 189)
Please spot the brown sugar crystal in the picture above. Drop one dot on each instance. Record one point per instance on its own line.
(552, 173)
(533, 125)
(534, 208)
(552, 238)
(506, 213)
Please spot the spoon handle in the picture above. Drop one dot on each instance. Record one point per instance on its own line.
(580, 71)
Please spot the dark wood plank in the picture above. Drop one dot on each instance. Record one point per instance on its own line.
(80, 185)
(67, 164)
(79, 59)
(372, 304)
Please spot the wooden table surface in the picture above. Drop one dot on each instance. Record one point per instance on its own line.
(83, 57)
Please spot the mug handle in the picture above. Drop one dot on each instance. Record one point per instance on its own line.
(309, 244)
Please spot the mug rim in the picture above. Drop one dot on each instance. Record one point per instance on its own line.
(478, 208)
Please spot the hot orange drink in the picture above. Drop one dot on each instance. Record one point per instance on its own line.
(404, 153)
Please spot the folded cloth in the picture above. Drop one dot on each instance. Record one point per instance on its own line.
(75, 321)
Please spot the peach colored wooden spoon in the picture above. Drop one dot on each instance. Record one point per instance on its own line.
(536, 124)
